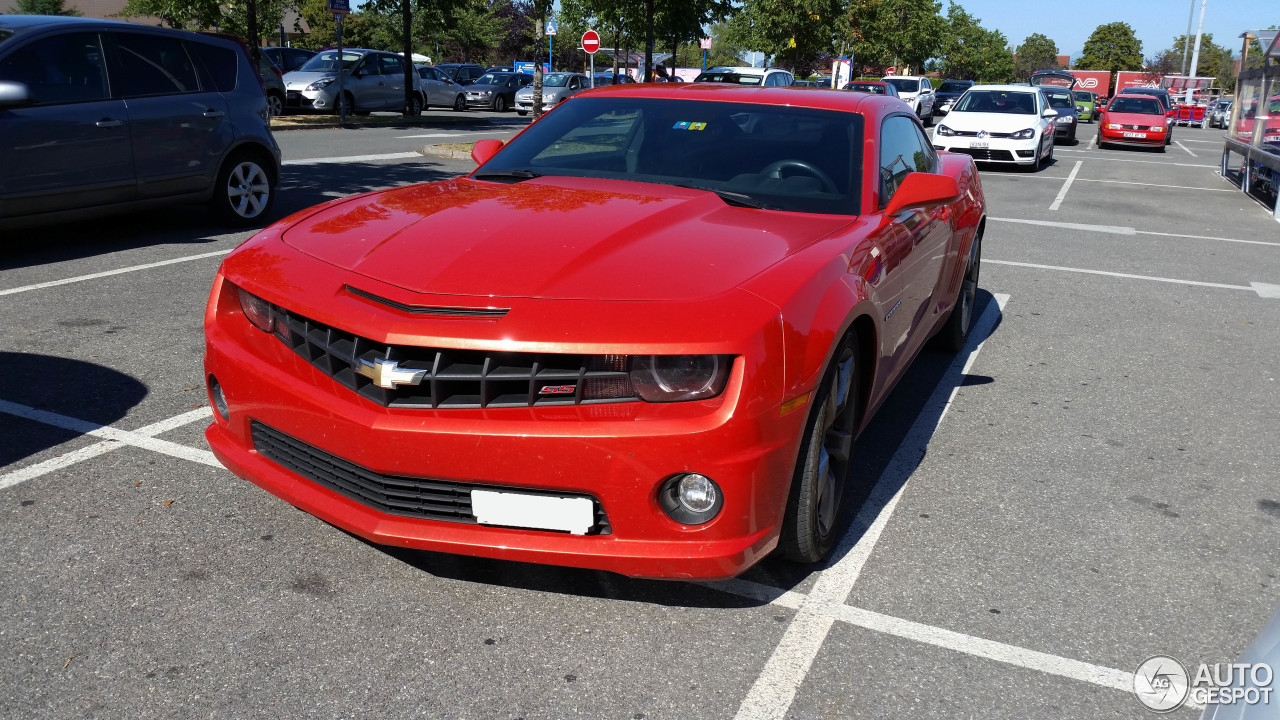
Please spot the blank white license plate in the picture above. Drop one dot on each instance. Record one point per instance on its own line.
(1135, 135)
(979, 144)
(574, 515)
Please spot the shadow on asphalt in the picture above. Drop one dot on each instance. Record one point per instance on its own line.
(301, 186)
(930, 376)
(68, 387)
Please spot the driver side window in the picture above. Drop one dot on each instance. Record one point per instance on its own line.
(903, 150)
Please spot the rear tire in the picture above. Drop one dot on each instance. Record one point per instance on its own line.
(818, 489)
(243, 193)
(275, 105)
(955, 333)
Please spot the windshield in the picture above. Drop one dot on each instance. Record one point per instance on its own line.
(492, 79)
(1084, 97)
(328, 61)
(904, 85)
(730, 77)
(866, 88)
(1007, 102)
(1060, 100)
(954, 87)
(556, 80)
(1137, 105)
(773, 156)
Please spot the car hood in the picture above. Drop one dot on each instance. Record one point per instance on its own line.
(297, 80)
(1143, 119)
(485, 86)
(561, 238)
(991, 122)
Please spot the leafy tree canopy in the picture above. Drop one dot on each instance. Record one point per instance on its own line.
(972, 52)
(1037, 52)
(45, 7)
(1112, 47)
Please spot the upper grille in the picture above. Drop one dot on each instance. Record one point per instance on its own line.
(458, 378)
(392, 494)
(974, 133)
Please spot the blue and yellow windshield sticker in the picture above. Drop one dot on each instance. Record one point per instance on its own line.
(686, 125)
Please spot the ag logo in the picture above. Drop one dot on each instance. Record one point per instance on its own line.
(1161, 683)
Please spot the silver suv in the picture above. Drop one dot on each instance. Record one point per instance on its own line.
(98, 116)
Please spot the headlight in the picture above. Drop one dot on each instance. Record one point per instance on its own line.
(321, 84)
(1114, 126)
(548, 98)
(1156, 128)
(672, 378)
(1023, 134)
(945, 131)
(257, 310)
(1079, 108)
(486, 93)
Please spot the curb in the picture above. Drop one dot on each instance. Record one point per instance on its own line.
(330, 122)
(436, 151)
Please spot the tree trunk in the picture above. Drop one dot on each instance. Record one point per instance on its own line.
(410, 87)
(252, 25)
(648, 40)
(537, 70)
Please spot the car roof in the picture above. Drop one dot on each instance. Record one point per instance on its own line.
(752, 94)
(1009, 88)
(742, 69)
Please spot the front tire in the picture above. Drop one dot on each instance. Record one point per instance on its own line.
(522, 113)
(813, 513)
(955, 333)
(499, 104)
(460, 103)
(244, 192)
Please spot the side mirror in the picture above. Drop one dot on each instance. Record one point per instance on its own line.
(14, 94)
(919, 189)
(484, 150)
(1049, 112)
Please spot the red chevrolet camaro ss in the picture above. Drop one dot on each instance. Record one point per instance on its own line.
(641, 337)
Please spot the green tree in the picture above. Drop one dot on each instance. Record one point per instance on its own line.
(1210, 64)
(898, 33)
(793, 31)
(970, 51)
(45, 7)
(1037, 52)
(1111, 47)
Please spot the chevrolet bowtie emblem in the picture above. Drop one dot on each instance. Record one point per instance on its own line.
(388, 374)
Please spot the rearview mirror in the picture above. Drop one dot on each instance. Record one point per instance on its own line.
(14, 94)
(919, 189)
(484, 150)
(1049, 112)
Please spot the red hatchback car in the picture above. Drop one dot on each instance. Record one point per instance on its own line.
(1134, 120)
(641, 337)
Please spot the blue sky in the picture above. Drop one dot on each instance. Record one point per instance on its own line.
(1156, 22)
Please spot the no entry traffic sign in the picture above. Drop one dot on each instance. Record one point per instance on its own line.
(591, 41)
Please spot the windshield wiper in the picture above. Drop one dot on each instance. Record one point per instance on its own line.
(731, 197)
(513, 175)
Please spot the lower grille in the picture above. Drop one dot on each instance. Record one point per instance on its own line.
(985, 154)
(392, 494)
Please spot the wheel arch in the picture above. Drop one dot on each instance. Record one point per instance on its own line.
(259, 153)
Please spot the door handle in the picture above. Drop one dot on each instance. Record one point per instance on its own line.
(213, 113)
(108, 122)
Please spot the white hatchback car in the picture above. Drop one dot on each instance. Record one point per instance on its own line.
(1000, 123)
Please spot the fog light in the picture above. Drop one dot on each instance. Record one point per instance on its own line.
(219, 400)
(690, 498)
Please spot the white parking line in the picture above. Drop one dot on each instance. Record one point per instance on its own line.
(1120, 230)
(353, 158)
(1099, 156)
(1184, 147)
(1062, 194)
(85, 427)
(775, 689)
(1264, 290)
(108, 273)
(1098, 180)
(1093, 143)
(86, 453)
(429, 135)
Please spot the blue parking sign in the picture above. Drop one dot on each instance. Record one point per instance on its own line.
(551, 27)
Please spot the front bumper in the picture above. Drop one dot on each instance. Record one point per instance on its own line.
(480, 102)
(998, 150)
(1063, 130)
(323, 99)
(617, 453)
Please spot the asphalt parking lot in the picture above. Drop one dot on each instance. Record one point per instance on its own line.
(1092, 482)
